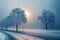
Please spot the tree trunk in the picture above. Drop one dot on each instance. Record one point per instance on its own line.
(16, 27)
(6, 27)
(46, 26)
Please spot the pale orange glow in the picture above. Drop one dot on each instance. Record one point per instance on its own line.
(28, 14)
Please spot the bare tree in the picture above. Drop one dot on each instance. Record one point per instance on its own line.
(46, 18)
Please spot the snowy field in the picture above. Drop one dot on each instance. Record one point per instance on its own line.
(55, 34)
(35, 34)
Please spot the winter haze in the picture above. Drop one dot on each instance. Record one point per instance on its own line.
(34, 9)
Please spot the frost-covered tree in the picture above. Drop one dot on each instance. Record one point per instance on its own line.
(6, 22)
(18, 17)
(47, 18)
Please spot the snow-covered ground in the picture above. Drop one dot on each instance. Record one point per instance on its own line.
(2, 36)
(44, 33)
(6, 36)
(36, 34)
(23, 37)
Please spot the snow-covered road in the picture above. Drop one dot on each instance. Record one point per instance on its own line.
(44, 34)
(6, 36)
(23, 36)
(33, 34)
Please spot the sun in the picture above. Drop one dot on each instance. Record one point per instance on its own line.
(27, 14)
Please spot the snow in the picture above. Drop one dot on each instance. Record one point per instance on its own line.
(55, 34)
(44, 33)
(23, 37)
(2, 36)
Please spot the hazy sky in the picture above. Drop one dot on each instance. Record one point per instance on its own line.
(33, 7)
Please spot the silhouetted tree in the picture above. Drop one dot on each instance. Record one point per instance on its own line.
(18, 17)
(46, 18)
